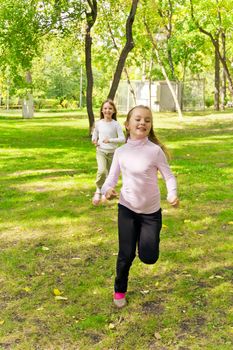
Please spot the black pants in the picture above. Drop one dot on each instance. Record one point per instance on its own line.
(136, 229)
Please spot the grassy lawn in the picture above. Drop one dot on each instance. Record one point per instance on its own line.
(58, 252)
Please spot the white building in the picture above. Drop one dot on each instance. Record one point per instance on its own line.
(156, 95)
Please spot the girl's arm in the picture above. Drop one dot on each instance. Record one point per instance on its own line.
(95, 135)
(169, 178)
(120, 135)
(112, 178)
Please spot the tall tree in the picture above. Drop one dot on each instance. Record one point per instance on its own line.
(156, 50)
(19, 38)
(129, 45)
(22, 25)
(166, 12)
(210, 25)
(114, 40)
(216, 75)
(154, 37)
(91, 15)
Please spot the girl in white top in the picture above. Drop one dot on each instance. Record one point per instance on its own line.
(106, 136)
(139, 211)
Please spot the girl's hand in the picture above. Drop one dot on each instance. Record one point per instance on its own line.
(175, 202)
(106, 140)
(111, 193)
(95, 142)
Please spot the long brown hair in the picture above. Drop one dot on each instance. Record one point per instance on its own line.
(114, 116)
(151, 136)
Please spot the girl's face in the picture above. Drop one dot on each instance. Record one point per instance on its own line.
(139, 124)
(108, 111)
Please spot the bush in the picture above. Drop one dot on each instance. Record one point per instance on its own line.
(46, 103)
(209, 101)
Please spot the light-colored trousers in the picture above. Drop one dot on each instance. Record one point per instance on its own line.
(104, 161)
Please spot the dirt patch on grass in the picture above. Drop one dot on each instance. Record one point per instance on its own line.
(153, 307)
(192, 326)
(94, 337)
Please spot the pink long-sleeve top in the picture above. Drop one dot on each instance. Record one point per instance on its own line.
(139, 162)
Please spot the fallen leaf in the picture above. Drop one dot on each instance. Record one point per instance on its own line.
(57, 292)
(45, 248)
(27, 289)
(230, 222)
(215, 276)
(157, 335)
(164, 226)
(187, 221)
(2, 322)
(144, 292)
(111, 326)
(59, 297)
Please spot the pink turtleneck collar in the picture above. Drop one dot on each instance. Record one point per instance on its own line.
(139, 142)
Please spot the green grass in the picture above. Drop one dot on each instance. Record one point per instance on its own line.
(51, 237)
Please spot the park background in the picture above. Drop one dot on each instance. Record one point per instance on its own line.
(59, 60)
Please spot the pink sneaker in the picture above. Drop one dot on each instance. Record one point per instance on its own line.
(119, 300)
(96, 198)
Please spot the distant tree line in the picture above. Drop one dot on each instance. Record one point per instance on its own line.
(76, 51)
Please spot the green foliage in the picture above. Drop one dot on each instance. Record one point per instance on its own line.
(19, 33)
(32, 32)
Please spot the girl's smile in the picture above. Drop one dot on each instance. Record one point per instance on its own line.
(140, 124)
(108, 111)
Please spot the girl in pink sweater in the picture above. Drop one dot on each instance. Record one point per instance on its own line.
(139, 211)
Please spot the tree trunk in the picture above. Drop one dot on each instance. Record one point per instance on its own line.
(216, 46)
(164, 72)
(223, 87)
(131, 89)
(125, 51)
(170, 86)
(28, 107)
(217, 79)
(223, 62)
(28, 104)
(167, 15)
(91, 18)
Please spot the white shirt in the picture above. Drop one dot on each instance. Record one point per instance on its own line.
(108, 129)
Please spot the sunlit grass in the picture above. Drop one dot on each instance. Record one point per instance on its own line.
(52, 237)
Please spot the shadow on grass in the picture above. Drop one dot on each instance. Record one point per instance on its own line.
(53, 238)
